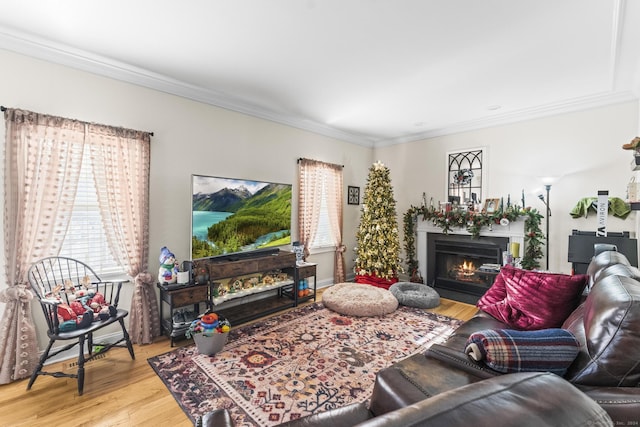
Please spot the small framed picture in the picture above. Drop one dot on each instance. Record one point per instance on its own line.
(491, 205)
(353, 195)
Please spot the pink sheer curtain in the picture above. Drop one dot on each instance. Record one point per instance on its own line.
(120, 163)
(42, 164)
(314, 178)
(334, 193)
(43, 160)
(144, 322)
(309, 192)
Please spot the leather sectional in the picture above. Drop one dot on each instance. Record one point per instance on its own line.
(607, 368)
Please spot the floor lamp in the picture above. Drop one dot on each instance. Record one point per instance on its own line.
(546, 203)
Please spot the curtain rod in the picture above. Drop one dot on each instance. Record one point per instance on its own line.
(302, 158)
(3, 109)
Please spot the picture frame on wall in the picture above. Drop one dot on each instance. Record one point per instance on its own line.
(491, 205)
(353, 195)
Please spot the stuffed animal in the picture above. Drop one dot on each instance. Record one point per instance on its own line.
(70, 321)
(85, 299)
(168, 272)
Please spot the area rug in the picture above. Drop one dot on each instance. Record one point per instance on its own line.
(307, 360)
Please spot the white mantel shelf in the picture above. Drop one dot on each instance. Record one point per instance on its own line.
(514, 231)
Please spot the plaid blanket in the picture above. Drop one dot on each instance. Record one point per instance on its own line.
(507, 351)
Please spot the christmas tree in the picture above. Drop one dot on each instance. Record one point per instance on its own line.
(377, 262)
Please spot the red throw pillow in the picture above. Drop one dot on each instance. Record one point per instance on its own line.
(530, 300)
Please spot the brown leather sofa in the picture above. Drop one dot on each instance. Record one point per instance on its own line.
(607, 369)
(513, 400)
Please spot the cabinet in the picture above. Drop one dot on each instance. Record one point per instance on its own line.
(305, 272)
(236, 303)
(177, 298)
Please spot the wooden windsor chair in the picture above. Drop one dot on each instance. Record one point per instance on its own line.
(56, 281)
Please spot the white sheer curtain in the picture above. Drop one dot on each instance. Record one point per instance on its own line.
(43, 159)
(314, 177)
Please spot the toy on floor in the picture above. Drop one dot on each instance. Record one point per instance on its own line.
(209, 322)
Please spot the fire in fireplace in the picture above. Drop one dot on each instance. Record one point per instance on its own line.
(461, 267)
(466, 270)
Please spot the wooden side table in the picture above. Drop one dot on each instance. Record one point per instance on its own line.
(181, 296)
(306, 270)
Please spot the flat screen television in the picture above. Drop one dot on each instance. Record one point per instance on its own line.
(236, 216)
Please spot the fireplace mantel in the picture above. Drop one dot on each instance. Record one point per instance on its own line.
(514, 231)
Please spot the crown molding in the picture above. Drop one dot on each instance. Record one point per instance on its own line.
(47, 50)
(546, 110)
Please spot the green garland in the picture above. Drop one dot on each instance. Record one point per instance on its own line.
(473, 222)
(410, 241)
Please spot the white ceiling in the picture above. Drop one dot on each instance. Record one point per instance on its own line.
(372, 72)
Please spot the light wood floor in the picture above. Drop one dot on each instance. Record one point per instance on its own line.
(117, 390)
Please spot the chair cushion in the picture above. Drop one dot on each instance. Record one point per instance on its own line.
(508, 351)
(530, 300)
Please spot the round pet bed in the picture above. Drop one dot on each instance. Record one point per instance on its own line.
(356, 299)
(415, 295)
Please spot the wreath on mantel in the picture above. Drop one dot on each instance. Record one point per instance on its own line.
(474, 222)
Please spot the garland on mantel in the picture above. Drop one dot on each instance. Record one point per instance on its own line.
(473, 222)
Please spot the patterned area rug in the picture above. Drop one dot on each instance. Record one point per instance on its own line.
(308, 360)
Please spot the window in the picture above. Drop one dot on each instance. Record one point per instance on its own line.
(324, 238)
(86, 239)
(320, 204)
(76, 189)
(320, 210)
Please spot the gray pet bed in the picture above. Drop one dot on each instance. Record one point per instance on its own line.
(415, 295)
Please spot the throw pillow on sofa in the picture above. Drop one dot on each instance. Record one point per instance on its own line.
(531, 300)
(509, 351)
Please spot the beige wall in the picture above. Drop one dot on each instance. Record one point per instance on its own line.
(583, 149)
(190, 137)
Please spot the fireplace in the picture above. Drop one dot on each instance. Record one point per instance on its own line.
(458, 246)
(461, 267)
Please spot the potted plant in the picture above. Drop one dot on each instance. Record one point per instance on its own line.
(210, 332)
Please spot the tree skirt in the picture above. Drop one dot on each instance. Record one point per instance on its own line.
(372, 279)
(307, 360)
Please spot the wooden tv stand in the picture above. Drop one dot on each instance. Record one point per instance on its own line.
(236, 306)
